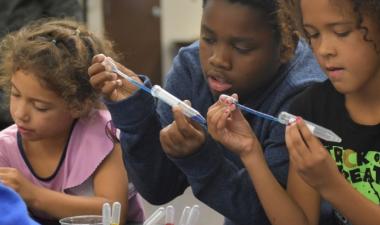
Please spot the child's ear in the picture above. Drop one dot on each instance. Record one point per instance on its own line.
(83, 110)
(76, 112)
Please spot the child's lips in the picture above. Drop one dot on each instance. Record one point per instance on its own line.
(24, 130)
(218, 84)
(335, 72)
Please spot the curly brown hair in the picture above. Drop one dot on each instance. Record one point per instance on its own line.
(360, 8)
(280, 20)
(58, 53)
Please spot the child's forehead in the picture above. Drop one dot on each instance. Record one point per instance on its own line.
(343, 7)
(29, 82)
(326, 11)
(236, 16)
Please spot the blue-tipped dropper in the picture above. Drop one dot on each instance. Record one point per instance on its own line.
(257, 113)
(108, 61)
(287, 118)
(160, 93)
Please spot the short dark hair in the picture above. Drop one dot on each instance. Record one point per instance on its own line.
(283, 25)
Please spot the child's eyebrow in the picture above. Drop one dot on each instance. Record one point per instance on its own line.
(343, 23)
(206, 29)
(33, 99)
(242, 40)
(330, 25)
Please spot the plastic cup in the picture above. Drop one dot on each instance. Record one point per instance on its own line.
(82, 220)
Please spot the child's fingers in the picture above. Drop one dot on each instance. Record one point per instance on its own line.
(95, 69)
(215, 106)
(170, 137)
(183, 124)
(101, 79)
(311, 141)
(221, 119)
(298, 148)
(98, 58)
(293, 154)
(110, 86)
(214, 114)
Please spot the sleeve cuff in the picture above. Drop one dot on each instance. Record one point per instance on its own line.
(202, 163)
(133, 110)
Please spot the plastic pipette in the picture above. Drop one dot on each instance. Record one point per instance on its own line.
(115, 219)
(286, 118)
(106, 214)
(169, 215)
(108, 61)
(317, 130)
(159, 93)
(171, 100)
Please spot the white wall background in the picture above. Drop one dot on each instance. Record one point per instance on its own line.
(180, 21)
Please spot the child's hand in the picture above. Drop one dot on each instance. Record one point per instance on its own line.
(12, 178)
(311, 160)
(183, 136)
(229, 127)
(112, 86)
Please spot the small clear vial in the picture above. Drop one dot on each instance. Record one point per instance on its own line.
(171, 100)
(318, 131)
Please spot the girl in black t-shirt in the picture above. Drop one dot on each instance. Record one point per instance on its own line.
(345, 37)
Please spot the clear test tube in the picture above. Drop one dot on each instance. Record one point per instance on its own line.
(193, 216)
(184, 215)
(155, 217)
(106, 214)
(116, 208)
(169, 215)
(318, 131)
(171, 100)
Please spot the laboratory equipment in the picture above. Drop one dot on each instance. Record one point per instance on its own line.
(159, 93)
(287, 118)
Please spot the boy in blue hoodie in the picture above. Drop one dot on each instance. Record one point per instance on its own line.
(243, 49)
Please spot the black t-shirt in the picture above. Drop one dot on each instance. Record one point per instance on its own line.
(358, 155)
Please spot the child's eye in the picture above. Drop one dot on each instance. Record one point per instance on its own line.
(343, 34)
(243, 49)
(208, 40)
(41, 108)
(311, 35)
(15, 94)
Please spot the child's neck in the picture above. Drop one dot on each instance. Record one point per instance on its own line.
(46, 145)
(44, 155)
(364, 106)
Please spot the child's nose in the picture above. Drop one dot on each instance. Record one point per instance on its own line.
(22, 113)
(221, 57)
(326, 48)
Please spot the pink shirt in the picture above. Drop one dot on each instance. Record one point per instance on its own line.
(87, 148)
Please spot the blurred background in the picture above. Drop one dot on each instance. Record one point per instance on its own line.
(149, 34)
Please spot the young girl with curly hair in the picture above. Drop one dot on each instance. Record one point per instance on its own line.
(57, 155)
(345, 38)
